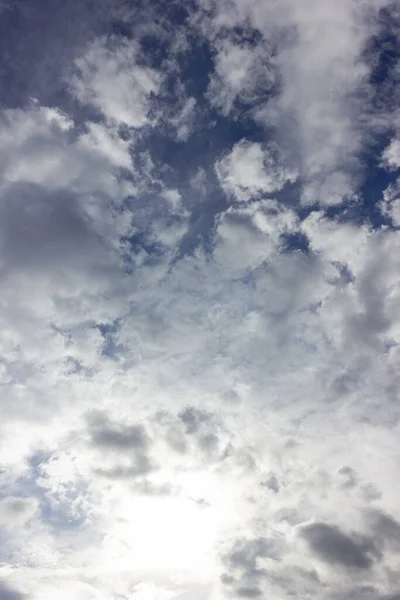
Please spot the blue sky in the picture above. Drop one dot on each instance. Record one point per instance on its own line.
(199, 306)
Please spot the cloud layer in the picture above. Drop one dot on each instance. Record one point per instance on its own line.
(199, 255)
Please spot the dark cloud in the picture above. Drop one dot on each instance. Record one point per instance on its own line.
(349, 477)
(7, 593)
(108, 434)
(385, 528)
(123, 438)
(40, 228)
(193, 418)
(366, 592)
(333, 546)
(18, 506)
(245, 554)
(370, 492)
(15, 510)
(272, 484)
(204, 428)
(130, 441)
(248, 592)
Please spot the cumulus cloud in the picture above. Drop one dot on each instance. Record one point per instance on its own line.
(200, 312)
(250, 171)
(391, 155)
(109, 77)
(319, 106)
(390, 205)
(243, 74)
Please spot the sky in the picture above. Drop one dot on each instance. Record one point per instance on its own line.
(199, 299)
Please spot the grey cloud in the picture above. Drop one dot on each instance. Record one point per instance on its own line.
(245, 574)
(193, 418)
(349, 480)
(14, 510)
(331, 545)
(41, 228)
(248, 592)
(344, 383)
(385, 528)
(246, 553)
(108, 434)
(176, 440)
(273, 322)
(227, 579)
(194, 428)
(231, 90)
(349, 477)
(7, 593)
(18, 506)
(141, 466)
(366, 326)
(370, 492)
(272, 483)
(121, 440)
(367, 592)
(204, 428)
(208, 442)
(161, 490)
(294, 581)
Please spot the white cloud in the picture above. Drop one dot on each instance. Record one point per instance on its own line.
(320, 109)
(109, 77)
(250, 171)
(391, 155)
(247, 237)
(390, 205)
(241, 73)
(219, 423)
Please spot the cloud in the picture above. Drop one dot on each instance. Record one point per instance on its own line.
(386, 529)
(7, 593)
(16, 511)
(333, 546)
(391, 155)
(123, 449)
(245, 574)
(199, 311)
(390, 205)
(108, 436)
(108, 78)
(320, 106)
(251, 171)
(242, 74)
